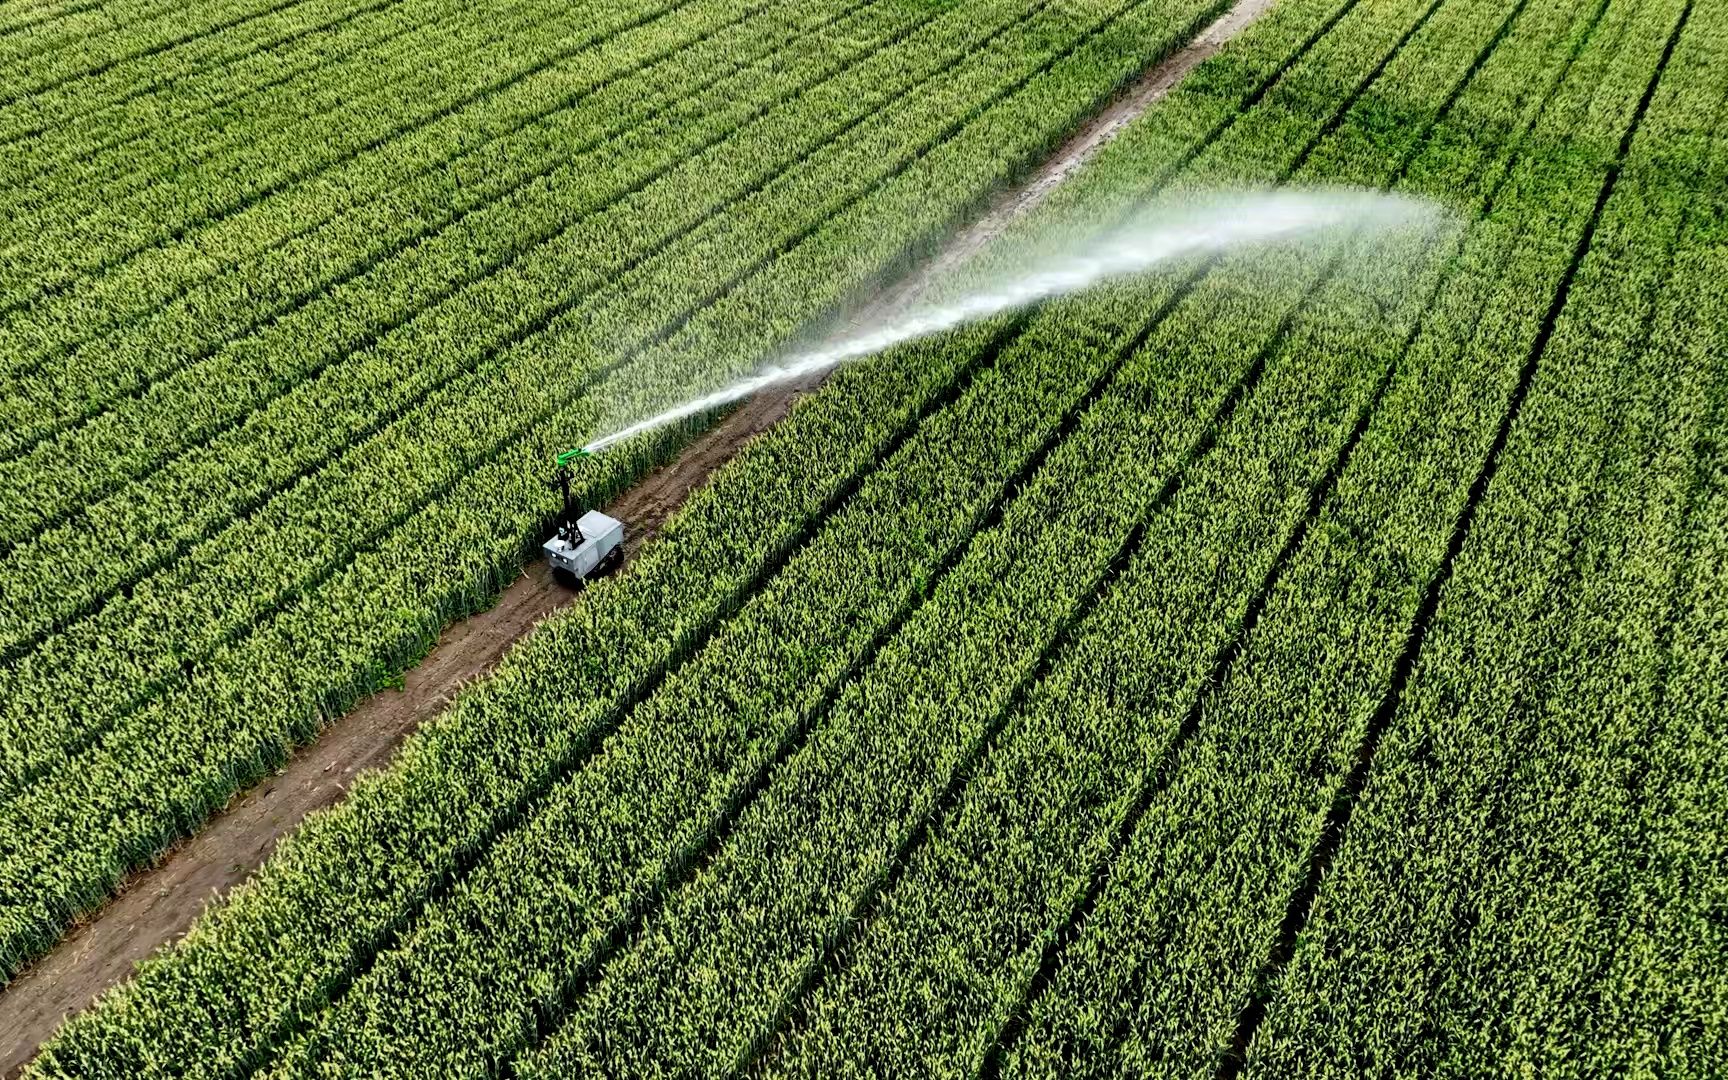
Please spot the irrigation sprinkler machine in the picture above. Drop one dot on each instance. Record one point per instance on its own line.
(584, 545)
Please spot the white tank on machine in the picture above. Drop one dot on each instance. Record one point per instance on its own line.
(597, 543)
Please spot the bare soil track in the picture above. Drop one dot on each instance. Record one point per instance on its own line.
(157, 905)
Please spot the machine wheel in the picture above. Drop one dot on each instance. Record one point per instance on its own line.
(565, 578)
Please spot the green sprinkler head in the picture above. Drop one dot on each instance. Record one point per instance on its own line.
(572, 455)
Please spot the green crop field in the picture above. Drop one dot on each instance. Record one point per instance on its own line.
(1306, 659)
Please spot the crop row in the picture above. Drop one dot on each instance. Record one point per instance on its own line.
(959, 940)
(607, 837)
(939, 519)
(1517, 797)
(50, 25)
(252, 969)
(74, 238)
(808, 854)
(76, 131)
(78, 120)
(163, 602)
(805, 859)
(159, 272)
(160, 322)
(392, 477)
(1550, 899)
(19, 24)
(672, 772)
(525, 255)
(1662, 992)
(594, 660)
(1660, 995)
(537, 256)
(166, 767)
(122, 40)
(1162, 970)
(280, 115)
(183, 601)
(950, 949)
(487, 408)
(83, 111)
(290, 120)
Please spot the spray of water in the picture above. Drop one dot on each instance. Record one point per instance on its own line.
(1150, 238)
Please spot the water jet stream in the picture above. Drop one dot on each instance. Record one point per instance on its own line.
(1153, 236)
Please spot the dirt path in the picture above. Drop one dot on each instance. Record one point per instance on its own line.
(157, 905)
(1092, 136)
